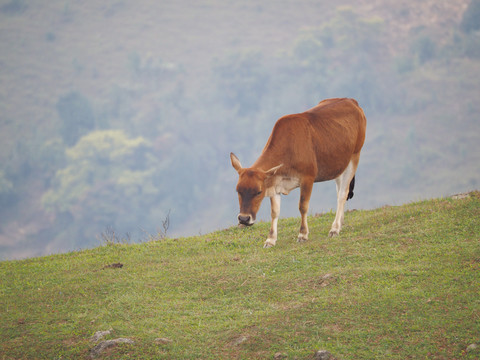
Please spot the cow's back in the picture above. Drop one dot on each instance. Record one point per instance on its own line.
(319, 142)
(337, 119)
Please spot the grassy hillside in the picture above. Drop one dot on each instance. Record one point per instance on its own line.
(399, 282)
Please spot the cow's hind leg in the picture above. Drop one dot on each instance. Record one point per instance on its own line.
(305, 193)
(343, 183)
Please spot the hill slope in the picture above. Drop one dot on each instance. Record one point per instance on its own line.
(399, 282)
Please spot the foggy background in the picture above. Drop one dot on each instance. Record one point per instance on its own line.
(117, 114)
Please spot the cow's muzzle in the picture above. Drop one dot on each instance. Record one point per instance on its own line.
(245, 220)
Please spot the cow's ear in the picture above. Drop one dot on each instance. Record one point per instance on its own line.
(235, 162)
(273, 170)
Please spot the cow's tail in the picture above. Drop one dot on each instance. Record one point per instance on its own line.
(352, 185)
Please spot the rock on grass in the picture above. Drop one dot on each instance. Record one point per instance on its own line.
(102, 346)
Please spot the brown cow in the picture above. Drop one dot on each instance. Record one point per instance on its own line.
(320, 144)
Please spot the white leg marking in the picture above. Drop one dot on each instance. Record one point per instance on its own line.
(343, 184)
(275, 206)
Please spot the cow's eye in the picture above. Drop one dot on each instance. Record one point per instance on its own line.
(258, 193)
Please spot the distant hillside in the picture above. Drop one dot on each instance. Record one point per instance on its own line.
(115, 114)
(399, 282)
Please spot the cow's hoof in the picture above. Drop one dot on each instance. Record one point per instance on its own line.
(333, 233)
(268, 244)
(302, 238)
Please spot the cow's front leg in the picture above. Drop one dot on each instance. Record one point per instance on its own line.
(275, 206)
(305, 193)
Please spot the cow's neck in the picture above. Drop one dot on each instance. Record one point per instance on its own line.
(265, 162)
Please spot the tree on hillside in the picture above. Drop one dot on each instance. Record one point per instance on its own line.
(6, 188)
(471, 17)
(340, 58)
(109, 181)
(242, 81)
(14, 7)
(77, 117)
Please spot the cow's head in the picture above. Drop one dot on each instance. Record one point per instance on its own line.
(251, 190)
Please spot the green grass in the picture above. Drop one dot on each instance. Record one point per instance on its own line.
(403, 283)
